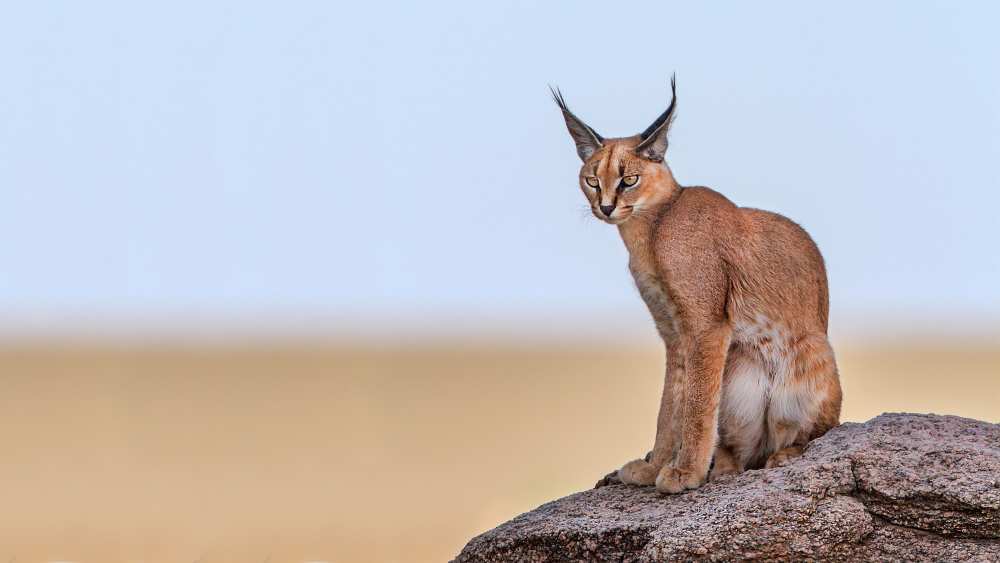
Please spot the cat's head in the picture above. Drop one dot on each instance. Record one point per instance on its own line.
(622, 177)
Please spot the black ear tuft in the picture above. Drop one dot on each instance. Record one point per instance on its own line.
(587, 140)
(668, 114)
(654, 138)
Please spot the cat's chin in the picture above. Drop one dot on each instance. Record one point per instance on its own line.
(616, 220)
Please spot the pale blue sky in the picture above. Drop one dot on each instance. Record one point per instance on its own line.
(239, 157)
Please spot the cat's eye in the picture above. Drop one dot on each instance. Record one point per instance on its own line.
(629, 181)
(592, 182)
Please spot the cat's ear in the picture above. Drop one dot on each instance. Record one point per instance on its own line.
(587, 140)
(654, 138)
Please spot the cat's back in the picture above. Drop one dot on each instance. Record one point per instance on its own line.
(778, 266)
(772, 264)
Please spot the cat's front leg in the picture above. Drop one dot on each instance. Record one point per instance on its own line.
(668, 424)
(699, 427)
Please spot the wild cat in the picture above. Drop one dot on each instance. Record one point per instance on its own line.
(739, 297)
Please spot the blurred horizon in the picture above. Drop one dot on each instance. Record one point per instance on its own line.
(413, 327)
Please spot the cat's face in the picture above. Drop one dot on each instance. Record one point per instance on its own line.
(617, 182)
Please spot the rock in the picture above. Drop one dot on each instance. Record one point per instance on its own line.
(900, 487)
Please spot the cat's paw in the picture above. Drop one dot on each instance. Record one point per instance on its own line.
(723, 464)
(783, 457)
(673, 480)
(638, 472)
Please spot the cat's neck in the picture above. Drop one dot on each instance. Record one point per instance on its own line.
(637, 231)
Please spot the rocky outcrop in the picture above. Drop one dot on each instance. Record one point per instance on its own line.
(902, 487)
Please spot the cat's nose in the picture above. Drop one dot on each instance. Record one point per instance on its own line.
(607, 210)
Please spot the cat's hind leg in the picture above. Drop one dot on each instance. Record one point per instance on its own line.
(805, 400)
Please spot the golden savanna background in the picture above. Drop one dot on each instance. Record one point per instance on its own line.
(311, 450)
(315, 281)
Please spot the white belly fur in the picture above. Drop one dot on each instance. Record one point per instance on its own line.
(763, 408)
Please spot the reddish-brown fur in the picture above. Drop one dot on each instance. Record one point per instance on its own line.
(739, 297)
